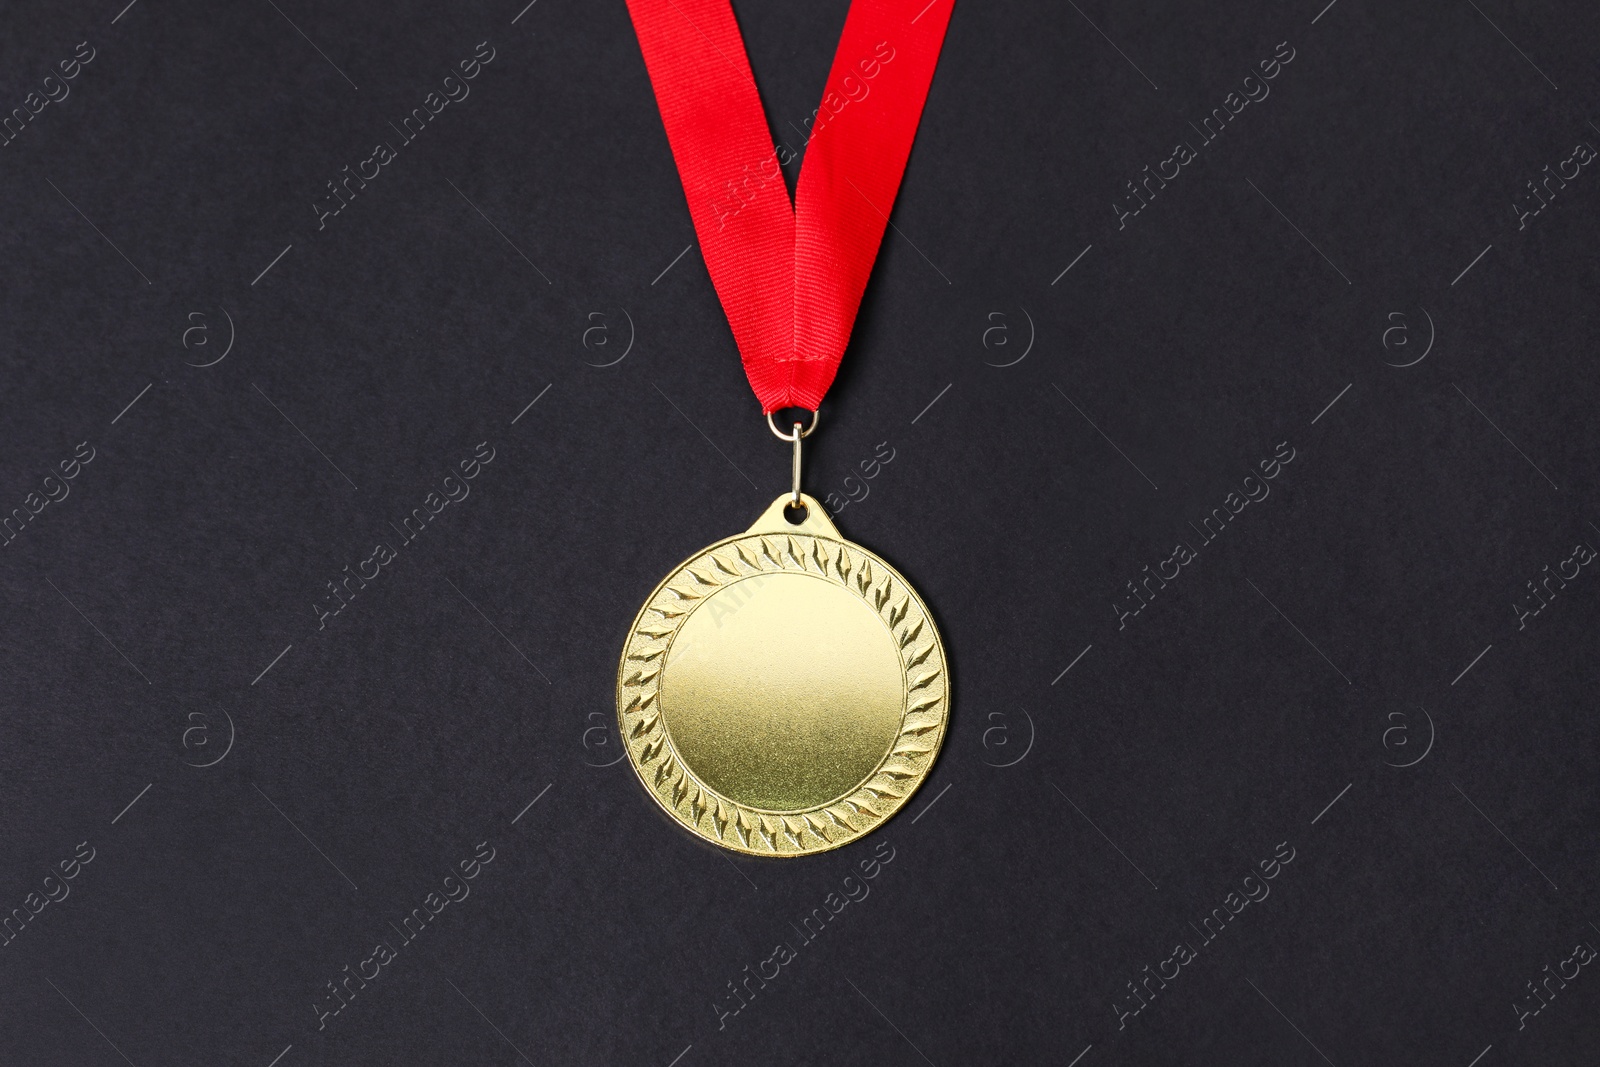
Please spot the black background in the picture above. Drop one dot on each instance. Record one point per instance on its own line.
(1078, 821)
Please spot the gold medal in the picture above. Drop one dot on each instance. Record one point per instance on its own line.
(783, 691)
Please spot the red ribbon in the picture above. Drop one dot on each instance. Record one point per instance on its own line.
(790, 279)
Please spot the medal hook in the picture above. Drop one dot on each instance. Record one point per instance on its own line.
(795, 496)
(796, 434)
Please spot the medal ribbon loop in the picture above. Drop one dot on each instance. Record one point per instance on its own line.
(790, 278)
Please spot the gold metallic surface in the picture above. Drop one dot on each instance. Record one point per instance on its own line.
(783, 691)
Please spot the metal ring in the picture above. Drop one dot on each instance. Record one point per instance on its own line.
(780, 435)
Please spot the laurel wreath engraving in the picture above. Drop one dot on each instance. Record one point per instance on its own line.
(739, 826)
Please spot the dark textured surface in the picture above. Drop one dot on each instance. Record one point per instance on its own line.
(1081, 822)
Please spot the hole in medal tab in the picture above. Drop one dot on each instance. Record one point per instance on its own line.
(795, 514)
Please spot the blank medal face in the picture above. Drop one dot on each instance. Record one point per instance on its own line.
(783, 691)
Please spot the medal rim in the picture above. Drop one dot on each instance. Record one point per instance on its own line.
(942, 706)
